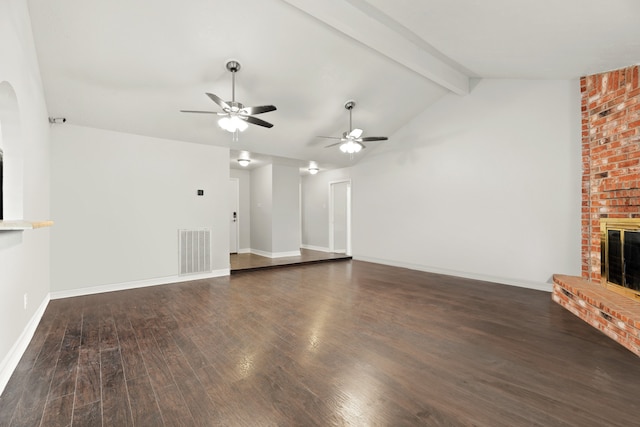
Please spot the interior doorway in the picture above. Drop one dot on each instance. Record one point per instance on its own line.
(1, 174)
(340, 216)
(234, 218)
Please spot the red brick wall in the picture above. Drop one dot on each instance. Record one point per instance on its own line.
(610, 156)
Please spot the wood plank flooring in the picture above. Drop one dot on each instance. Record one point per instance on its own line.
(241, 263)
(347, 343)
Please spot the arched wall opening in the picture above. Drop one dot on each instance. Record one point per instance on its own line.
(11, 159)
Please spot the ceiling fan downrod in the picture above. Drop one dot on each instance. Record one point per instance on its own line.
(233, 67)
(349, 106)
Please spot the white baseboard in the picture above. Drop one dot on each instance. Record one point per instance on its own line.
(244, 251)
(275, 254)
(285, 254)
(11, 360)
(315, 248)
(539, 286)
(138, 284)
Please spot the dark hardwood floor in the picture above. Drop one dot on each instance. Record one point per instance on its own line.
(241, 263)
(347, 343)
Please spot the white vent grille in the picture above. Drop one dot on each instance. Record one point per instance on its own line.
(194, 251)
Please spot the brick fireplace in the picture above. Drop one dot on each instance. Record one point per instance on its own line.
(610, 189)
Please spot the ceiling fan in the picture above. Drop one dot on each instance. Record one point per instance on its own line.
(234, 115)
(352, 141)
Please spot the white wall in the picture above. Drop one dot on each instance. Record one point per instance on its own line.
(24, 255)
(261, 209)
(244, 208)
(286, 210)
(118, 201)
(315, 207)
(275, 210)
(339, 215)
(485, 185)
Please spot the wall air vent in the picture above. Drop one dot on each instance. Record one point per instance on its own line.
(194, 250)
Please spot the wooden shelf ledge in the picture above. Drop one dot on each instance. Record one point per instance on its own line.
(20, 224)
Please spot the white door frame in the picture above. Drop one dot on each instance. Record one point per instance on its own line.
(237, 206)
(331, 227)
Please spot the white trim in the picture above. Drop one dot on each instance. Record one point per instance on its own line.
(285, 254)
(300, 213)
(316, 248)
(261, 253)
(539, 286)
(236, 187)
(275, 254)
(348, 250)
(138, 284)
(244, 251)
(12, 358)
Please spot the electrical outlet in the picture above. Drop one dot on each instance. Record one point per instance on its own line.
(25, 301)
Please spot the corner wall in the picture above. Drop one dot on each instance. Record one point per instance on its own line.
(315, 207)
(275, 211)
(261, 209)
(118, 201)
(24, 255)
(484, 186)
(286, 211)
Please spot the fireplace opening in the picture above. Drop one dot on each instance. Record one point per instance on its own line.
(620, 257)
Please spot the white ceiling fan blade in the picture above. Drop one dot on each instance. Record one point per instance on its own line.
(356, 133)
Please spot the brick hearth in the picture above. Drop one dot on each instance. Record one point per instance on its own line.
(610, 189)
(614, 314)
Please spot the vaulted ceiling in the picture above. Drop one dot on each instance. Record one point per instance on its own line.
(131, 65)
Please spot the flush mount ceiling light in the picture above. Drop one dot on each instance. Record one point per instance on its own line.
(313, 170)
(244, 162)
(235, 116)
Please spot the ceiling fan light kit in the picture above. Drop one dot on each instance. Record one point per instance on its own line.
(351, 147)
(233, 124)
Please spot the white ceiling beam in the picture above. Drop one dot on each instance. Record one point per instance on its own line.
(369, 26)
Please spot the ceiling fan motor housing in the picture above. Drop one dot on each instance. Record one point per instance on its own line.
(235, 106)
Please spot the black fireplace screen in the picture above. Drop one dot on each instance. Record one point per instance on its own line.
(623, 258)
